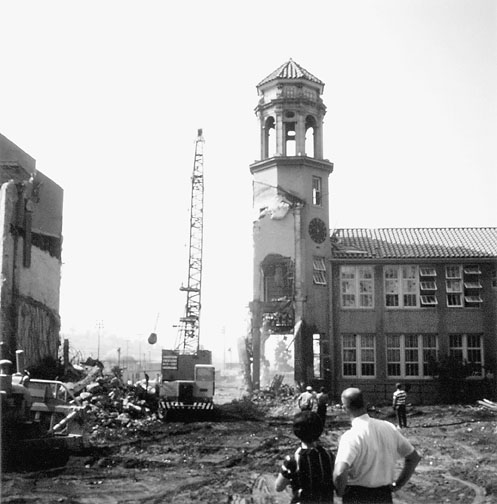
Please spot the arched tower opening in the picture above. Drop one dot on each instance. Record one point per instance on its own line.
(290, 134)
(269, 140)
(310, 136)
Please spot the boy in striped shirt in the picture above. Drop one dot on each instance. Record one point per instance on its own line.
(309, 470)
(399, 404)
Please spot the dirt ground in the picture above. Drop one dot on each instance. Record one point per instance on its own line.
(235, 458)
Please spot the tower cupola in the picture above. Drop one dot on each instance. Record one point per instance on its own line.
(291, 112)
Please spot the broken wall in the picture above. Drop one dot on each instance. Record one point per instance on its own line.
(30, 256)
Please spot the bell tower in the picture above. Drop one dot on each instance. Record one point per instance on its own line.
(291, 240)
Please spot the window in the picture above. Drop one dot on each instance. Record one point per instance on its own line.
(463, 286)
(358, 355)
(467, 348)
(401, 286)
(310, 94)
(290, 91)
(317, 194)
(427, 286)
(278, 278)
(411, 355)
(357, 286)
(319, 271)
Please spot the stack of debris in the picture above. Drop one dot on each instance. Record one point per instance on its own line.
(488, 404)
(109, 402)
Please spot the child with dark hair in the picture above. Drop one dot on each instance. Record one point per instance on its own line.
(309, 470)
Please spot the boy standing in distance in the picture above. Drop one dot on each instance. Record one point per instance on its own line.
(307, 399)
(309, 470)
(399, 404)
(367, 454)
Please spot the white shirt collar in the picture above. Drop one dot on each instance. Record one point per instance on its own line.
(359, 419)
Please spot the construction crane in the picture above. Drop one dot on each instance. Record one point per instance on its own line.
(188, 376)
(189, 328)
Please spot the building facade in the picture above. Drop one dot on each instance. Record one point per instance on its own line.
(416, 306)
(30, 257)
(361, 307)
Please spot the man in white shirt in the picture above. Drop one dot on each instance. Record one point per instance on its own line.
(367, 454)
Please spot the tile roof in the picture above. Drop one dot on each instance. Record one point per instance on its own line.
(290, 70)
(400, 243)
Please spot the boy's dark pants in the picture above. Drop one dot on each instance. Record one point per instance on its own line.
(401, 415)
(364, 495)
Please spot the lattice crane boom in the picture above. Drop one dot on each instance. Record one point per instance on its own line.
(189, 327)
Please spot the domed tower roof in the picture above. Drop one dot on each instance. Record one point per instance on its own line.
(290, 70)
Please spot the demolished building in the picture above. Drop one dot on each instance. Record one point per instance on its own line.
(30, 257)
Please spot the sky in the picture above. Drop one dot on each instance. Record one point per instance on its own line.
(107, 96)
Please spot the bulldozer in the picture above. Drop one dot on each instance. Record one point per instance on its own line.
(41, 420)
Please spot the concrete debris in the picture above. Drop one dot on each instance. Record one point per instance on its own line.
(109, 402)
(488, 404)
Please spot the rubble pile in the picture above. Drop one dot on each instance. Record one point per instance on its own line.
(110, 403)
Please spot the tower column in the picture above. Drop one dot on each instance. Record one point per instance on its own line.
(300, 135)
(280, 135)
(264, 139)
(318, 141)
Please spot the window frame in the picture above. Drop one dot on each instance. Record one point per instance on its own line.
(401, 286)
(467, 295)
(358, 350)
(358, 282)
(317, 191)
(319, 276)
(422, 349)
(464, 348)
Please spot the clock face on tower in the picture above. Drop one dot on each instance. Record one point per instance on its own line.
(317, 230)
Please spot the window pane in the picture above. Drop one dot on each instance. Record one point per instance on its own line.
(411, 340)
(392, 300)
(348, 300)
(393, 340)
(348, 340)
(349, 369)
(455, 340)
(391, 272)
(366, 300)
(453, 271)
(393, 355)
(474, 355)
(454, 285)
(367, 355)
(429, 341)
(349, 354)
(412, 369)
(412, 355)
(366, 273)
(473, 340)
(367, 369)
(347, 272)
(454, 300)
(409, 272)
(393, 369)
(367, 341)
(366, 286)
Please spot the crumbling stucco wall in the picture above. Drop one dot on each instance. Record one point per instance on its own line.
(30, 256)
